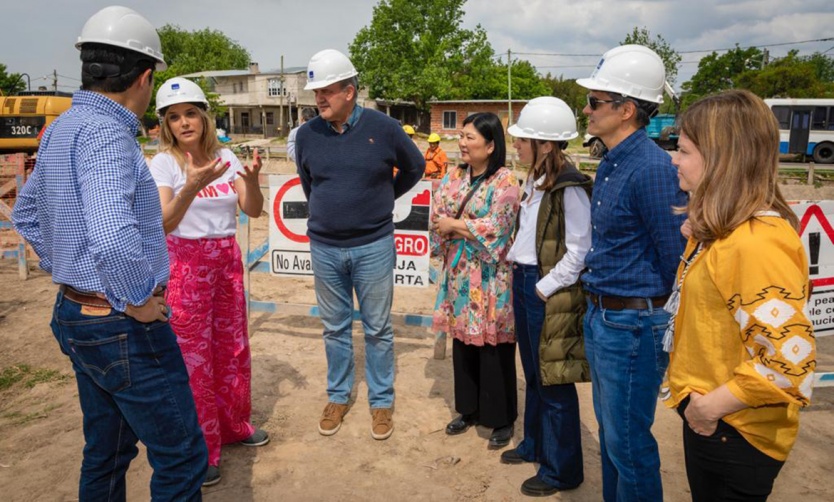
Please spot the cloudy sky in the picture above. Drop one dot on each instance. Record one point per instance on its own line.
(558, 36)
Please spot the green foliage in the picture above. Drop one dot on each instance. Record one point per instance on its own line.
(416, 50)
(719, 72)
(791, 76)
(194, 51)
(526, 82)
(823, 66)
(671, 58)
(11, 83)
(787, 77)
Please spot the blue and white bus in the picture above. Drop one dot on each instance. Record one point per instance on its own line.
(806, 126)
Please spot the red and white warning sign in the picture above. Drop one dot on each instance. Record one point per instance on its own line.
(289, 246)
(411, 236)
(817, 233)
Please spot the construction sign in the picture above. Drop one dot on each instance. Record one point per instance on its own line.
(817, 235)
(289, 246)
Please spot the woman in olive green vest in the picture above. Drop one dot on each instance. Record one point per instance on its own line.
(554, 234)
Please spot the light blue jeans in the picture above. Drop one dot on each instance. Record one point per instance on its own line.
(369, 271)
(625, 352)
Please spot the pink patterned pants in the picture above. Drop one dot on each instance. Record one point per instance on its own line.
(208, 315)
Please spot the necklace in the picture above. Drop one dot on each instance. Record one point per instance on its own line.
(673, 303)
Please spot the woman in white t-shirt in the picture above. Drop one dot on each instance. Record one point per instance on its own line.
(553, 236)
(201, 185)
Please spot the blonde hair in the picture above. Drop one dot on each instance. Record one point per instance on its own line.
(738, 137)
(209, 144)
(548, 164)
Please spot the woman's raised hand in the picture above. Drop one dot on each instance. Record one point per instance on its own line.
(251, 175)
(199, 177)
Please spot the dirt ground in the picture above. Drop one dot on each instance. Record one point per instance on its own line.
(41, 436)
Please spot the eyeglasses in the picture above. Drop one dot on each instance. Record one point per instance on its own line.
(595, 102)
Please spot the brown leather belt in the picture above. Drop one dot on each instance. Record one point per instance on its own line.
(624, 303)
(88, 299)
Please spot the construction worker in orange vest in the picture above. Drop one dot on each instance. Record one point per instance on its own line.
(436, 158)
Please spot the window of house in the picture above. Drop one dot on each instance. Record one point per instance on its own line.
(234, 87)
(270, 118)
(274, 88)
(450, 119)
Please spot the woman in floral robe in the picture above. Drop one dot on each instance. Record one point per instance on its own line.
(474, 302)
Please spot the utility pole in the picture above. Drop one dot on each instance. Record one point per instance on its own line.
(765, 57)
(55, 80)
(281, 99)
(509, 89)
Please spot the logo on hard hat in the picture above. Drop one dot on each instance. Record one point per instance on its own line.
(310, 75)
(599, 65)
(175, 87)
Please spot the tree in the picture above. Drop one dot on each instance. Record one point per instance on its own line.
(823, 66)
(719, 72)
(416, 50)
(670, 56)
(11, 83)
(194, 51)
(791, 76)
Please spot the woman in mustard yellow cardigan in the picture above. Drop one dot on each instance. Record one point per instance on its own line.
(742, 351)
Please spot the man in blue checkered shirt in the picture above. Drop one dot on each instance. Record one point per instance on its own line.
(635, 249)
(91, 211)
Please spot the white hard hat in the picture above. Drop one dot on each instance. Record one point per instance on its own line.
(179, 90)
(631, 70)
(328, 67)
(545, 118)
(123, 27)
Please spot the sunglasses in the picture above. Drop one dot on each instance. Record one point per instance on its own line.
(595, 102)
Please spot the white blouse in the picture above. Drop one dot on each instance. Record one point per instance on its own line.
(577, 238)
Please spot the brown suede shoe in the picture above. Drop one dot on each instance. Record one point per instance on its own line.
(382, 423)
(331, 418)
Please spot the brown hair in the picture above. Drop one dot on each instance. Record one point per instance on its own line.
(209, 143)
(738, 137)
(549, 165)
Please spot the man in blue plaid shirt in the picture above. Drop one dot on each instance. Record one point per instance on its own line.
(91, 211)
(635, 249)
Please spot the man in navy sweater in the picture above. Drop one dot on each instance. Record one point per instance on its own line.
(345, 158)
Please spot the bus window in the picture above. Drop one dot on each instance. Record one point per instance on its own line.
(818, 119)
(783, 115)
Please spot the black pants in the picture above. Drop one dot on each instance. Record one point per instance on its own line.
(485, 382)
(725, 467)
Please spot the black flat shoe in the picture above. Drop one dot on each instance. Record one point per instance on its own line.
(512, 457)
(459, 425)
(535, 487)
(501, 437)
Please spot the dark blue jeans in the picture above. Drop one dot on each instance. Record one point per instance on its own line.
(625, 353)
(132, 385)
(552, 430)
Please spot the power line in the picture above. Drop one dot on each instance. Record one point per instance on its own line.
(70, 78)
(558, 54)
(763, 45)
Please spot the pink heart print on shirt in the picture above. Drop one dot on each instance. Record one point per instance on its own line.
(223, 187)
